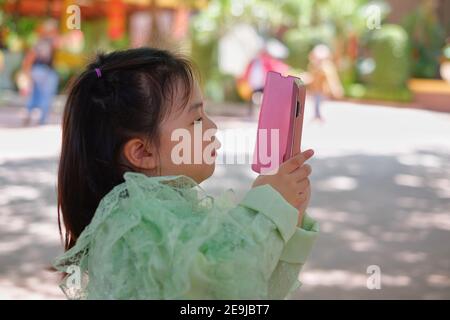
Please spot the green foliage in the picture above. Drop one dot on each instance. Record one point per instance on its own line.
(204, 54)
(446, 52)
(389, 47)
(362, 91)
(20, 32)
(94, 35)
(427, 38)
(309, 22)
(299, 44)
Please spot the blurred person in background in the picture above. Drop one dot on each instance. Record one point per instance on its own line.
(323, 78)
(38, 66)
(254, 77)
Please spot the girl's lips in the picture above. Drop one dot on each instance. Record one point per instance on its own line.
(218, 145)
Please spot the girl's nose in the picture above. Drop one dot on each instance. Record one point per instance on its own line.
(213, 124)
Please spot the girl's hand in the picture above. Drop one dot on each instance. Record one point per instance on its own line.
(291, 181)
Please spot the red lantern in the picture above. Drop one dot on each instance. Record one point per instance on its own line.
(116, 19)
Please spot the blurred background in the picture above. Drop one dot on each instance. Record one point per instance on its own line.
(377, 115)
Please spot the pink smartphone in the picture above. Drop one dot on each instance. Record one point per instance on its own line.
(280, 122)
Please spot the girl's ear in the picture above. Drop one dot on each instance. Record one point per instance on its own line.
(140, 154)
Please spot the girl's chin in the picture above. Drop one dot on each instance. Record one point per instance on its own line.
(208, 172)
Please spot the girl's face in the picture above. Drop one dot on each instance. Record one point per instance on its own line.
(188, 144)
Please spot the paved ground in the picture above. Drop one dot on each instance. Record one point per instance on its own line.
(381, 191)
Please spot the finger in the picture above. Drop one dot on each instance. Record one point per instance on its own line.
(303, 185)
(302, 196)
(307, 193)
(295, 162)
(300, 199)
(301, 173)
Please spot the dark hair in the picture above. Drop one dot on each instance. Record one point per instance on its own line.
(130, 96)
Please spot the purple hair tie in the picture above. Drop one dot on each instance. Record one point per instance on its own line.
(99, 74)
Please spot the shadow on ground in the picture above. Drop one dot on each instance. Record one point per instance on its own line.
(389, 211)
(28, 228)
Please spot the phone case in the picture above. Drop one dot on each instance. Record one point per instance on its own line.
(283, 109)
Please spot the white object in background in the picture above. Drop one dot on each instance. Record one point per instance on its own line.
(24, 83)
(445, 71)
(140, 28)
(277, 49)
(237, 48)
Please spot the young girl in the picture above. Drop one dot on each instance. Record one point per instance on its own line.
(137, 225)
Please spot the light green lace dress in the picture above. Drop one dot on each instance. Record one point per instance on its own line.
(164, 238)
